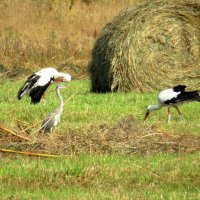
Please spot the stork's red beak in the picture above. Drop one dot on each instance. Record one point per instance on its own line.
(147, 114)
(59, 80)
(62, 77)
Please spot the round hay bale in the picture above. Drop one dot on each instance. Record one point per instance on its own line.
(151, 46)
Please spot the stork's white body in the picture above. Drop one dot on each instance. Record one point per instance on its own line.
(167, 95)
(172, 98)
(37, 83)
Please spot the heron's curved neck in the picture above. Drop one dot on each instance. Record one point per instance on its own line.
(60, 98)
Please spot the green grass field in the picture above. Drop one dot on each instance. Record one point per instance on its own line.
(164, 175)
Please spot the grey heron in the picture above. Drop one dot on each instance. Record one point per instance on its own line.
(172, 98)
(36, 84)
(53, 119)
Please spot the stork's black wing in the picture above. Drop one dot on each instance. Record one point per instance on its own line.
(31, 80)
(37, 92)
(179, 88)
(184, 97)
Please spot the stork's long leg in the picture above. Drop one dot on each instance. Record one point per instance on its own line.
(169, 114)
(43, 98)
(180, 114)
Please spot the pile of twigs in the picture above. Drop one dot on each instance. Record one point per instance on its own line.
(126, 137)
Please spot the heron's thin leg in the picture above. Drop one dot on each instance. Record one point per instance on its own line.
(180, 114)
(169, 114)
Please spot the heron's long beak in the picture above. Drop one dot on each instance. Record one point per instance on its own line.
(147, 114)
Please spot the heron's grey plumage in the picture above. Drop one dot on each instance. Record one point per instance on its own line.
(53, 119)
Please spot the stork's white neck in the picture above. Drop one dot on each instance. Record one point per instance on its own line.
(154, 107)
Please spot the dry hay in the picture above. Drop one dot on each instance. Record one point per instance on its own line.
(127, 137)
(153, 45)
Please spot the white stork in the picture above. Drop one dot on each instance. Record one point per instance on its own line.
(36, 84)
(172, 98)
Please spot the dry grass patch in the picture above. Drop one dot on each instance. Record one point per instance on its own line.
(39, 33)
(129, 136)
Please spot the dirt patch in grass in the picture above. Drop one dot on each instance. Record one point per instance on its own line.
(129, 136)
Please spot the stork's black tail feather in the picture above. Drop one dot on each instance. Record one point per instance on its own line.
(19, 94)
(193, 95)
(31, 80)
(22, 90)
(184, 95)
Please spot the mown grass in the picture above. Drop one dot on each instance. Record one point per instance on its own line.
(86, 109)
(102, 177)
(90, 176)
